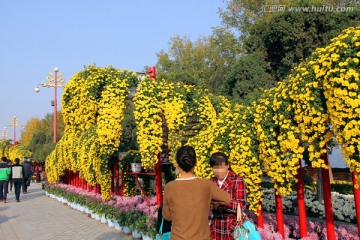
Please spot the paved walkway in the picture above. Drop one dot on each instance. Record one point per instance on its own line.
(38, 217)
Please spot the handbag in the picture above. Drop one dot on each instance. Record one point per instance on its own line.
(160, 235)
(245, 229)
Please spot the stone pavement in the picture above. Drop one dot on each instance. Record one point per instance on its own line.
(38, 217)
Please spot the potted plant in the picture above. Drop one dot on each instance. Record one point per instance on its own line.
(136, 164)
(133, 158)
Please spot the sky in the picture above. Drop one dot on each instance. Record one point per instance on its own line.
(38, 35)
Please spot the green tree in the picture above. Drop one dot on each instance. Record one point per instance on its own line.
(248, 76)
(48, 125)
(31, 127)
(41, 143)
(204, 63)
(289, 37)
(241, 15)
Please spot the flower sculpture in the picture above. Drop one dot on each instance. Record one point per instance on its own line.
(93, 109)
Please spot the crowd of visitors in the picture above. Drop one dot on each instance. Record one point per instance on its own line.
(17, 177)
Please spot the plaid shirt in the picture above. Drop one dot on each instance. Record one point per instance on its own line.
(223, 219)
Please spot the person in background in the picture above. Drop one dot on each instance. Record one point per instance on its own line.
(187, 199)
(37, 172)
(27, 177)
(10, 179)
(223, 220)
(17, 173)
(5, 173)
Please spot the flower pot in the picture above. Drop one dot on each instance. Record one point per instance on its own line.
(136, 167)
(146, 237)
(136, 234)
(117, 226)
(95, 216)
(103, 219)
(111, 223)
(126, 230)
(81, 208)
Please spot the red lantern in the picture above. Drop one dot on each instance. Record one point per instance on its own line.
(152, 72)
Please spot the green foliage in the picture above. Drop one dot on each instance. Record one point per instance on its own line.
(343, 188)
(128, 137)
(289, 37)
(241, 15)
(42, 139)
(248, 75)
(204, 63)
(41, 146)
(268, 185)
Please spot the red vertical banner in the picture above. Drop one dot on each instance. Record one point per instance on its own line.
(329, 214)
(76, 180)
(357, 200)
(117, 177)
(122, 184)
(98, 189)
(279, 214)
(158, 181)
(70, 177)
(260, 218)
(301, 201)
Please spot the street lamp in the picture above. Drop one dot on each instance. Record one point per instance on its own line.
(4, 134)
(15, 123)
(55, 81)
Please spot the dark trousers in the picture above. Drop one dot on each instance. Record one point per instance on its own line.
(3, 189)
(10, 185)
(26, 183)
(17, 187)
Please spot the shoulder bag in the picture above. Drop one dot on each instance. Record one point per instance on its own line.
(162, 236)
(245, 229)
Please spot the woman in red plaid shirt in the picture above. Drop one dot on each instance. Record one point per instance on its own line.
(223, 218)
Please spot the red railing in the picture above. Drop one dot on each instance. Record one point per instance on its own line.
(74, 179)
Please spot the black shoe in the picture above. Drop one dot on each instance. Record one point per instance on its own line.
(17, 200)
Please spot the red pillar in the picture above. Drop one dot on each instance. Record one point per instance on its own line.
(260, 218)
(117, 177)
(357, 201)
(301, 201)
(68, 177)
(158, 181)
(329, 215)
(122, 184)
(279, 214)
